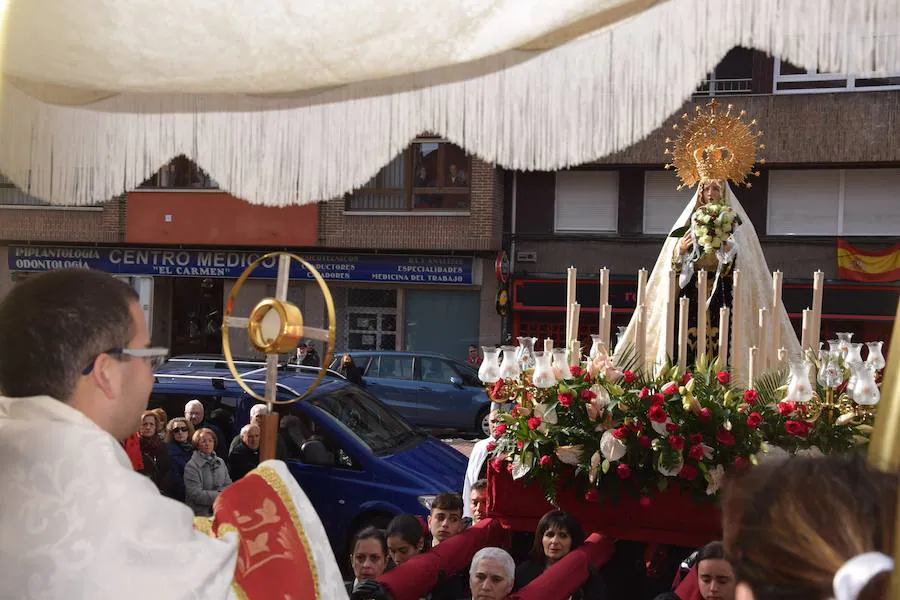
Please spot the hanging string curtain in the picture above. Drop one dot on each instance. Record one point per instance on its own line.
(286, 102)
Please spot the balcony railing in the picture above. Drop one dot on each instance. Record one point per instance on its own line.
(725, 87)
(797, 81)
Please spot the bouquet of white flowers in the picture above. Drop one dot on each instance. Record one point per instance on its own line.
(713, 224)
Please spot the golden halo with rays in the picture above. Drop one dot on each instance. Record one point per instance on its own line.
(714, 145)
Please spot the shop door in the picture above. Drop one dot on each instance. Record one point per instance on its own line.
(197, 316)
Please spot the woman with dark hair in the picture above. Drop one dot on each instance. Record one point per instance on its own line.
(557, 534)
(154, 454)
(714, 573)
(349, 370)
(811, 529)
(368, 556)
(405, 538)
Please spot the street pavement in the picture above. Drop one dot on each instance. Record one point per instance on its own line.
(462, 445)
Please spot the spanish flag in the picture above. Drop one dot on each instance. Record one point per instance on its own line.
(873, 266)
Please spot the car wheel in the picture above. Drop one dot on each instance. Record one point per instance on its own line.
(483, 423)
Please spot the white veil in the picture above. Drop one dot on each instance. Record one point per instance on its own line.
(756, 292)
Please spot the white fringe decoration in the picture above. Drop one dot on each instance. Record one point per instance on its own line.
(573, 104)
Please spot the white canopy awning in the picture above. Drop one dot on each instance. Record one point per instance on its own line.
(286, 102)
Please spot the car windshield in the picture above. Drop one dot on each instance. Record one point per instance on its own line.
(363, 415)
(469, 374)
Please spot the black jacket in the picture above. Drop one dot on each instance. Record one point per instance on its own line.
(241, 461)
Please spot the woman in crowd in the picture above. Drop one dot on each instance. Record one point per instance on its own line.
(161, 419)
(491, 574)
(811, 529)
(369, 556)
(349, 370)
(405, 538)
(558, 533)
(205, 475)
(179, 432)
(154, 454)
(714, 573)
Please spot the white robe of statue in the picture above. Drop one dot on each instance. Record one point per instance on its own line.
(755, 290)
(76, 520)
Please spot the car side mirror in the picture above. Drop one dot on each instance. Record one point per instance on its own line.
(456, 381)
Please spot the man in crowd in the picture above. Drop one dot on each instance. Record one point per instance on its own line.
(477, 462)
(245, 456)
(76, 370)
(478, 500)
(445, 519)
(474, 358)
(195, 413)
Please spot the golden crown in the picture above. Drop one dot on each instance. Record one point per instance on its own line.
(714, 145)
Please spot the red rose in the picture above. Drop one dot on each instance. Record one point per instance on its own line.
(676, 442)
(671, 427)
(725, 437)
(658, 398)
(628, 376)
(657, 414)
(591, 495)
(740, 463)
(491, 447)
(565, 399)
(796, 428)
(696, 452)
(497, 464)
(498, 387)
(754, 420)
(787, 407)
(669, 389)
(643, 393)
(644, 441)
(686, 378)
(635, 426)
(751, 396)
(688, 472)
(587, 395)
(534, 422)
(645, 501)
(545, 461)
(515, 411)
(520, 444)
(499, 429)
(576, 371)
(623, 471)
(705, 415)
(724, 377)
(620, 433)
(509, 468)
(696, 438)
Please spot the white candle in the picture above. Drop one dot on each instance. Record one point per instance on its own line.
(642, 287)
(548, 345)
(685, 305)
(752, 366)
(641, 337)
(775, 318)
(670, 315)
(576, 313)
(762, 362)
(604, 286)
(724, 315)
(606, 323)
(701, 313)
(737, 340)
(805, 330)
(664, 351)
(816, 324)
(782, 354)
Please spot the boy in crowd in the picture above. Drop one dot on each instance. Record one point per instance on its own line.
(445, 519)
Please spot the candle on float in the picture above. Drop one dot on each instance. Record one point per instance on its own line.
(685, 306)
(571, 277)
(642, 287)
(775, 319)
(576, 314)
(640, 343)
(701, 313)
(548, 345)
(752, 366)
(670, 315)
(816, 323)
(782, 355)
(805, 330)
(724, 315)
(762, 359)
(737, 339)
(606, 323)
(604, 286)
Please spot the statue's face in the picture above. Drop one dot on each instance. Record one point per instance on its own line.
(712, 192)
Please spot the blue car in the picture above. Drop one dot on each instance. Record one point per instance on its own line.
(430, 390)
(359, 462)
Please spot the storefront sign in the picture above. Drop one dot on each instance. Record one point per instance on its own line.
(374, 268)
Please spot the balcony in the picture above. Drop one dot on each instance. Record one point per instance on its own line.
(790, 79)
(724, 87)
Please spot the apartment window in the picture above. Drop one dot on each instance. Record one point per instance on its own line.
(586, 201)
(791, 79)
(10, 195)
(430, 175)
(732, 76)
(834, 202)
(663, 201)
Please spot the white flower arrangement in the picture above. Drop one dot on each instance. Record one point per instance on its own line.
(712, 225)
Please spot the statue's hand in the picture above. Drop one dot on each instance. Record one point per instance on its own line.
(685, 243)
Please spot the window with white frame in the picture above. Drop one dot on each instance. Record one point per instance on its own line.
(663, 201)
(791, 79)
(834, 202)
(587, 201)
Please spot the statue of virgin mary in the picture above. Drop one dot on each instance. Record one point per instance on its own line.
(711, 149)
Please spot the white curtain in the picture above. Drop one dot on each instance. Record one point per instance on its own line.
(286, 102)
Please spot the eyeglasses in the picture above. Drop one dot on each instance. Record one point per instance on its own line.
(179, 430)
(155, 356)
